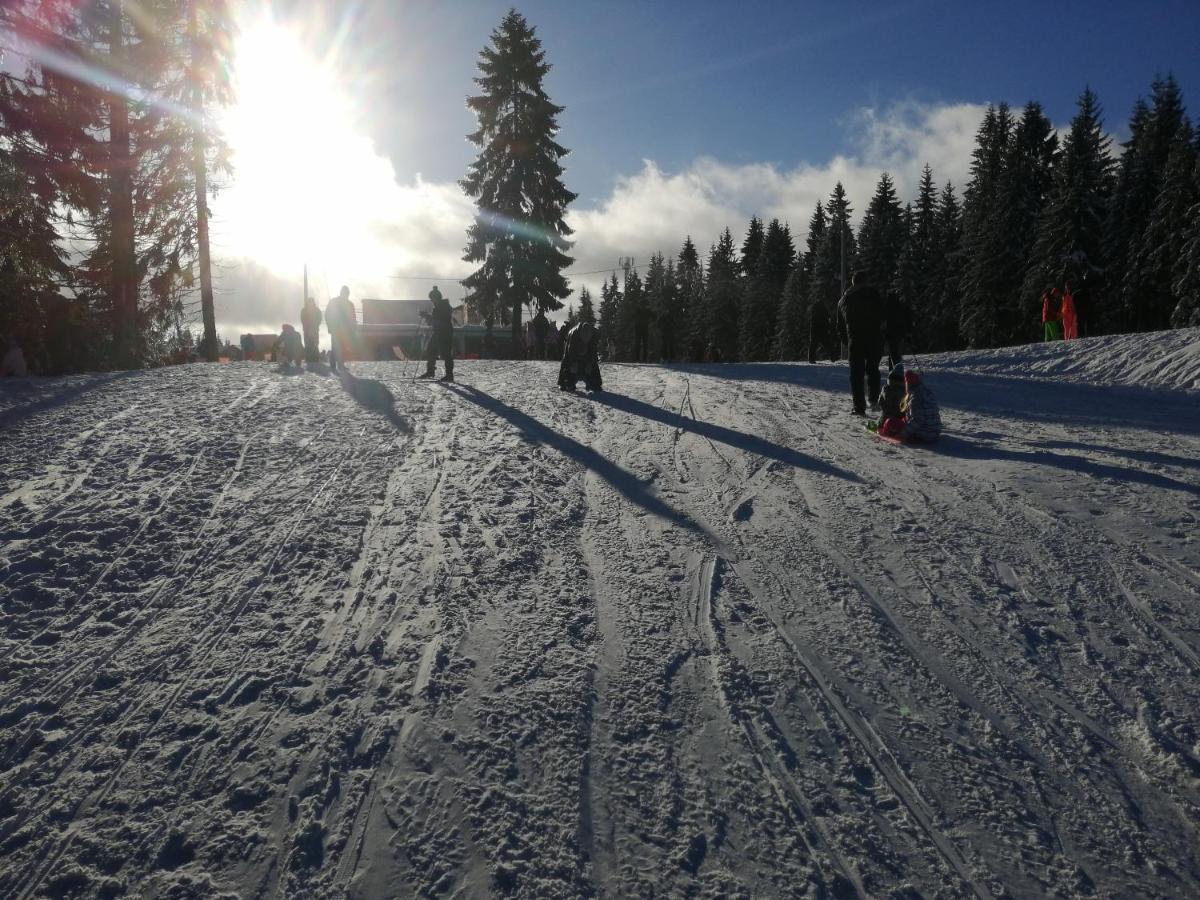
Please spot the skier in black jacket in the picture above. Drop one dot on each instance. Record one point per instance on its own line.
(860, 327)
(441, 341)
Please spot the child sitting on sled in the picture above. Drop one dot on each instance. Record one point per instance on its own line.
(909, 410)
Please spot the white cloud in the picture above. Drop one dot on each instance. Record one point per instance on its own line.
(376, 226)
(654, 210)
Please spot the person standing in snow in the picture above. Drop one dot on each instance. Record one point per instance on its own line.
(820, 333)
(641, 332)
(341, 320)
(898, 320)
(541, 327)
(310, 321)
(563, 330)
(1051, 315)
(1070, 319)
(441, 341)
(860, 328)
(14, 360)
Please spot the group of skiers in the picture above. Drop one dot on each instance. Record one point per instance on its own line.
(866, 323)
(1064, 313)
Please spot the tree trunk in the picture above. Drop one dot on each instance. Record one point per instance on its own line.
(120, 185)
(209, 348)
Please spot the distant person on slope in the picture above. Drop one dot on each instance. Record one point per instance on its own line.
(563, 331)
(341, 320)
(541, 328)
(580, 359)
(1070, 319)
(310, 321)
(14, 361)
(641, 333)
(441, 341)
(898, 320)
(820, 333)
(860, 328)
(1051, 315)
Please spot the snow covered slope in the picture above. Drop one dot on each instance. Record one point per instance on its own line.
(294, 635)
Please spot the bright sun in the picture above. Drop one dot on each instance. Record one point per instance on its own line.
(306, 180)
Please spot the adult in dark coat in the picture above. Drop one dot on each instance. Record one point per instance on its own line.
(541, 328)
(342, 321)
(820, 333)
(580, 359)
(641, 332)
(563, 331)
(897, 325)
(441, 341)
(310, 323)
(860, 327)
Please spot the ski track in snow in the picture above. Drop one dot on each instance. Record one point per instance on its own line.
(272, 635)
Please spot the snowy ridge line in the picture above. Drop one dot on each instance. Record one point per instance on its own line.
(34, 878)
(1167, 359)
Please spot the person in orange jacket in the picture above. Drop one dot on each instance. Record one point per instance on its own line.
(1070, 320)
(1051, 315)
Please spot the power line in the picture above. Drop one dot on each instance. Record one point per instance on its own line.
(449, 278)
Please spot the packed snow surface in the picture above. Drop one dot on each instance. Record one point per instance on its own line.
(268, 634)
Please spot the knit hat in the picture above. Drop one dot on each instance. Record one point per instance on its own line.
(912, 377)
(897, 373)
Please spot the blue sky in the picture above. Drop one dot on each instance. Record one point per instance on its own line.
(681, 118)
(768, 82)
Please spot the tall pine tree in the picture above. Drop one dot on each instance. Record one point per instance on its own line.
(762, 293)
(881, 236)
(721, 296)
(986, 260)
(519, 235)
(1070, 237)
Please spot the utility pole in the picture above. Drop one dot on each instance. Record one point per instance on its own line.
(626, 263)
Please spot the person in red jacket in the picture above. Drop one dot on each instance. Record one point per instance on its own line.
(1070, 319)
(1051, 315)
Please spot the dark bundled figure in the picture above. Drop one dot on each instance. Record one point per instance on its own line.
(860, 327)
(441, 341)
(580, 359)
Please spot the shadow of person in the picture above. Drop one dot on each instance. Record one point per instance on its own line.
(624, 482)
(374, 396)
(958, 448)
(738, 439)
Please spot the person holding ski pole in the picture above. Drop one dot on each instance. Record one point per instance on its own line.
(860, 328)
(310, 323)
(441, 341)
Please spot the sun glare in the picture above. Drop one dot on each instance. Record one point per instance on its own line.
(306, 179)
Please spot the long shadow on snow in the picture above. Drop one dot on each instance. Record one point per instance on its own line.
(1147, 456)
(1041, 400)
(16, 414)
(374, 396)
(628, 484)
(960, 448)
(749, 442)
